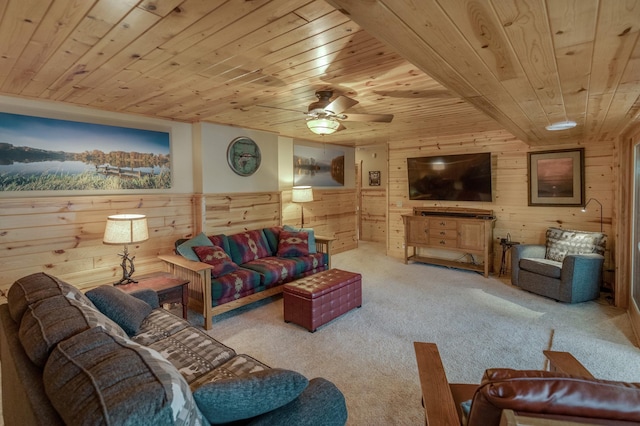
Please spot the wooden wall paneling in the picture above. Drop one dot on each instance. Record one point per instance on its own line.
(510, 182)
(373, 215)
(332, 213)
(63, 235)
(233, 213)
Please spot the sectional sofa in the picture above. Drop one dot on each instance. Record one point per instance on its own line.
(229, 271)
(108, 357)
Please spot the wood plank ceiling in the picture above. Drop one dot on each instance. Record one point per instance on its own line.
(440, 66)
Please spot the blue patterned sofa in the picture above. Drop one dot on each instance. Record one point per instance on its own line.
(229, 271)
(108, 357)
(567, 268)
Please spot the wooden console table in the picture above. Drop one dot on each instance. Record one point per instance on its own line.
(461, 230)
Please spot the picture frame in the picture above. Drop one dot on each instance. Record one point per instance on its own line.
(556, 178)
(49, 154)
(374, 178)
(318, 166)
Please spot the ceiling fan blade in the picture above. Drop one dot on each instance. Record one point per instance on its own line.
(376, 118)
(282, 109)
(341, 103)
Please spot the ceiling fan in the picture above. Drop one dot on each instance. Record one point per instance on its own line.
(324, 116)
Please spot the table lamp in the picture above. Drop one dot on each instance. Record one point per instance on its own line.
(126, 229)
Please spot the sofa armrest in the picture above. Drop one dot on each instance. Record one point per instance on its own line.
(148, 296)
(320, 404)
(581, 277)
(199, 276)
(439, 405)
(564, 362)
(532, 251)
(323, 245)
(519, 251)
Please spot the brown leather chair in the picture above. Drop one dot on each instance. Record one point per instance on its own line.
(567, 392)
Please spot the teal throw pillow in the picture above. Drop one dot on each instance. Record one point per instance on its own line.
(249, 395)
(125, 310)
(312, 236)
(186, 249)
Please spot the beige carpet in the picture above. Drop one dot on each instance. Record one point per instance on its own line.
(477, 323)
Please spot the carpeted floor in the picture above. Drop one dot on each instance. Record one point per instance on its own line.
(477, 323)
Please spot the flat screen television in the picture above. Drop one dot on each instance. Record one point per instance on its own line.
(464, 177)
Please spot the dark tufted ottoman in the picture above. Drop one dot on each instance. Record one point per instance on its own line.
(317, 299)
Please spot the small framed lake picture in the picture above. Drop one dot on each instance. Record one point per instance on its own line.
(44, 154)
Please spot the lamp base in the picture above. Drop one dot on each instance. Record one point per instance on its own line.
(127, 268)
(126, 280)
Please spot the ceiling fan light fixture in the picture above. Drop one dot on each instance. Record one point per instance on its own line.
(323, 126)
(561, 125)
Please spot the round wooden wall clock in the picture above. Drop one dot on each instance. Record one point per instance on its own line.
(244, 156)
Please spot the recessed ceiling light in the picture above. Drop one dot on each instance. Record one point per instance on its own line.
(561, 125)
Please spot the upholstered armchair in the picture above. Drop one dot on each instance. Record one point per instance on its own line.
(568, 267)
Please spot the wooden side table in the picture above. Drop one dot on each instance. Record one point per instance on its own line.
(170, 288)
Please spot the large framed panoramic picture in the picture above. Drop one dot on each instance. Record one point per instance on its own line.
(556, 178)
(44, 154)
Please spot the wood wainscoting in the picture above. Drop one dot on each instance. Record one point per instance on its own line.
(63, 235)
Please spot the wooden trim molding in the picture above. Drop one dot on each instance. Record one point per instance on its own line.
(624, 228)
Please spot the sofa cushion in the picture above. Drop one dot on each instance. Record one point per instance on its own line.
(247, 246)
(546, 267)
(237, 366)
(293, 244)
(312, 236)
(125, 310)
(249, 395)
(159, 324)
(97, 378)
(553, 393)
(274, 270)
(193, 352)
(562, 242)
(216, 257)
(310, 264)
(186, 248)
(52, 320)
(235, 285)
(220, 240)
(273, 237)
(35, 287)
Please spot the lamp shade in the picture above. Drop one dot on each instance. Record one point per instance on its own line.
(323, 126)
(302, 194)
(126, 229)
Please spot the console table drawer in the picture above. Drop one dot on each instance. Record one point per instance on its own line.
(449, 234)
(442, 224)
(443, 242)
